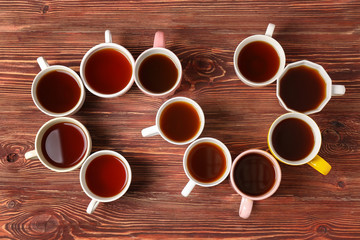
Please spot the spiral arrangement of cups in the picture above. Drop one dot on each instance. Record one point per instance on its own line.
(241, 162)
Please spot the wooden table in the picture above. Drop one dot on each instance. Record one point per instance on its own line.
(38, 203)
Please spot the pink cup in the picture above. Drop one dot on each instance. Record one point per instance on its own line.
(247, 200)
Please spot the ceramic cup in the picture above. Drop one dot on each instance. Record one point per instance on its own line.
(107, 45)
(312, 158)
(247, 199)
(54, 97)
(296, 92)
(104, 173)
(267, 38)
(193, 180)
(39, 154)
(158, 49)
(157, 129)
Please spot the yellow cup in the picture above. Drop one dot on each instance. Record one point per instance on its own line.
(311, 158)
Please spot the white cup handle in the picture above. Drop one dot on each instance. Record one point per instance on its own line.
(270, 30)
(92, 206)
(108, 37)
(150, 131)
(31, 155)
(42, 63)
(188, 188)
(338, 90)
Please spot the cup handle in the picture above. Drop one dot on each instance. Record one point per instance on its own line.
(337, 90)
(31, 155)
(270, 29)
(188, 188)
(245, 207)
(108, 37)
(150, 131)
(319, 164)
(42, 63)
(92, 206)
(159, 39)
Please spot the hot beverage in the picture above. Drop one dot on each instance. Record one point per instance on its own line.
(180, 121)
(254, 174)
(302, 88)
(106, 176)
(258, 61)
(293, 139)
(158, 73)
(64, 145)
(108, 71)
(206, 162)
(58, 91)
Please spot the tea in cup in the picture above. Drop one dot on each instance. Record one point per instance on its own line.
(158, 70)
(295, 139)
(259, 59)
(207, 163)
(105, 176)
(61, 144)
(179, 120)
(306, 87)
(107, 69)
(255, 175)
(57, 90)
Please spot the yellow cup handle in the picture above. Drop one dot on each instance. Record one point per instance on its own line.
(319, 164)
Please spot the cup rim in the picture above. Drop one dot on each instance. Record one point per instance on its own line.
(74, 75)
(51, 123)
(315, 130)
(324, 75)
(180, 99)
(227, 158)
(99, 47)
(255, 38)
(83, 169)
(152, 51)
(277, 170)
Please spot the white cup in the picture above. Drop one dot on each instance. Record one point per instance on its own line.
(158, 48)
(38, 154)
(264, 38)
(331, 90)
(107, 45)
(313, 159)
(45, 68)
(156, 129)
(192, 181)
(95, 199)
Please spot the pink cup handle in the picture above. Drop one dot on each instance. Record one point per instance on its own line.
(159, 39)
(245, 207)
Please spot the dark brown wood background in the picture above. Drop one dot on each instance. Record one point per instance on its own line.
(40, 204)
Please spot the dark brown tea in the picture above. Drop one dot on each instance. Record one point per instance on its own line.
(258, 61)
(64, 145)
(58, 91)
(106, 176)
(293, 139)
(108, 71)
(254, 174)
(206, 162)
(179, 121)
(158, 73)
(302, 89)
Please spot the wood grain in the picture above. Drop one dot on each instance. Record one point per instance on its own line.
(38, 204)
